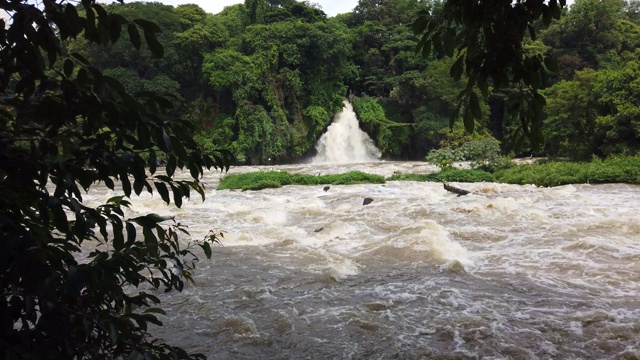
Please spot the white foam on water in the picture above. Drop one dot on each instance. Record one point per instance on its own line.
(430, 237)
(547, 270)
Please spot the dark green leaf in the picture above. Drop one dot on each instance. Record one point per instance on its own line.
(150, 241)
(138, 186)
(154, 45)
(153, 161)
(420, 24)
(474, 106)
(177, 195)
(74, 280)
(80, 58)
(155, 311)
(179, 150)
(207, 249)
(539, 99)
(108, 183)
(163, 191)
(26, 86)
(171, 165)
(68, 67)
(457, 68)
(469, 123)
(546, 16)
(556, 12)
(114, 84)
(551, 64)
(195, 170)
(454, 114)
(148, 26)
(115, 28)
(426, 49)
(150, 220)
(82, 76)
(118, 235)
(131, 234)
(126, 184)
(532, 32)
(483, 86)
(449, 41)
(102, 13)
(115, 199)
(134, 36)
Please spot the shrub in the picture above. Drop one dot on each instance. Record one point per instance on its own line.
(262, 184)
(465, 175)
(613, 170)
(483, 152)
(444, 158)
(457, 175)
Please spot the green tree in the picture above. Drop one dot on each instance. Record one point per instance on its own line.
(570, 124)
(65, 127)
(383, 44)
(486, 41)
(596, 113)
(587, 31)
(200, 35)
(274, 80)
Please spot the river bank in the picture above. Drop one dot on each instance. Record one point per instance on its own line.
(542, 173)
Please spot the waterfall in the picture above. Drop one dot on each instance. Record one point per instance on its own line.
(344, 142)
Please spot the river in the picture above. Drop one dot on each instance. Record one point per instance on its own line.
(507, 272)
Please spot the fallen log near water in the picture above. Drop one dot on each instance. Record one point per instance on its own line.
(455, 190)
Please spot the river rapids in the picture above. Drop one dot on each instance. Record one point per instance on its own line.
(507, 272)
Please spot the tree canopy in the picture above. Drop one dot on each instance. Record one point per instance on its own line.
(487, 41)
(78, 281)
(265, 78)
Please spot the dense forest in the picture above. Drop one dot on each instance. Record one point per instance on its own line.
(266, 77)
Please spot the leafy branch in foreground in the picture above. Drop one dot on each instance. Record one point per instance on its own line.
(69, 271)
(486, 40)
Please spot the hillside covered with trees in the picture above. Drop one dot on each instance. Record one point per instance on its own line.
(267, 76)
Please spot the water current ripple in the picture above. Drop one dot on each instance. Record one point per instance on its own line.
(509, 272)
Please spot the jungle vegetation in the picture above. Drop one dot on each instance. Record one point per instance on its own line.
(265, 77)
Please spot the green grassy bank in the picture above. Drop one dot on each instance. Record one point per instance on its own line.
(275, 179)
(552, 173)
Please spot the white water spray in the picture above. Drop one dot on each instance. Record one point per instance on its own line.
(344, 142)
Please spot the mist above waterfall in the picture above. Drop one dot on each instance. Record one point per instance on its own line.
(345, 142)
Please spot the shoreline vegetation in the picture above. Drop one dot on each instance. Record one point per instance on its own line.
(618, 169)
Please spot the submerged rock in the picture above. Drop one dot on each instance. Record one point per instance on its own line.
(453, 266)
(367, 201)
(376, 306)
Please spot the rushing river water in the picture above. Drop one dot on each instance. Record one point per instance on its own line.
(507, 272)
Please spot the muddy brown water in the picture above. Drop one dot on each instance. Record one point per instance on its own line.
(507, 272)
